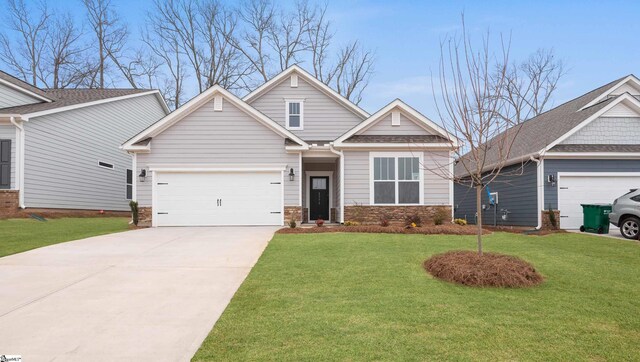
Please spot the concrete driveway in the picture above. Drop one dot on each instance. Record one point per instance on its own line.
(142, 295)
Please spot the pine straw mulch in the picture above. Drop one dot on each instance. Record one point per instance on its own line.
(452, 229)
(486, 270)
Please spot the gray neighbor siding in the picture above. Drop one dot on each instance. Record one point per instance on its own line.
(62, 151)
(10, 97)
(8, 132)
(552, 167)
(324, 118)
(227, 137)
(516, 192)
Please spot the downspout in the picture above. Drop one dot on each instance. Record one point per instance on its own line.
(539, 188)
(19, 160)
(341, 154)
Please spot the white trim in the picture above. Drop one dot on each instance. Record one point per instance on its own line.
(419, 118)
(154, 200)
(288, 101)
(194, 104)
(25, 91)
(539, 189)
(134, 191)
(311, 80)
(282, 181)
(217, 168)
(451, 189)
(294, 81)
(624, 97)
(308, 175)
(395, 155)
(604, 95)
(300, 183)
(18, 179)
(93, 103)
(395, 118)
(444, 146)
(591, 155)
(217, 103)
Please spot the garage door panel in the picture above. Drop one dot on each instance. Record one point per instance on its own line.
(574, 190)
(245, 198)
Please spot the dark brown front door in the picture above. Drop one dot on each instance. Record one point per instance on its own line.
(319, 198)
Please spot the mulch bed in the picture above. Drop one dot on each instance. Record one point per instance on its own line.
(452, 229)
(486, 270)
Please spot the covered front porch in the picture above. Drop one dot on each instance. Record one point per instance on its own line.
(320, 189)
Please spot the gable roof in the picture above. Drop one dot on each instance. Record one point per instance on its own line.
(628, 79)
(142, 140)
(309, 79)
(538, 133)
(417, 117)
(22, 86)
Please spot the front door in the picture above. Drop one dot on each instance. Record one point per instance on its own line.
(319, 198)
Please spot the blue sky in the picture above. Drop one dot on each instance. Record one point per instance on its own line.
(597, 40)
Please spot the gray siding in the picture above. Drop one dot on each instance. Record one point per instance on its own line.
(324, 118)
(10, 97)
(356, 173)
(227, 137)
(8, 132)
(516, 192)
(62, 152)
(552, 167)
(384, 128)
(608, 130)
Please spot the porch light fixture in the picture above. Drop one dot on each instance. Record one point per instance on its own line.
(291, 175)
(142, 175)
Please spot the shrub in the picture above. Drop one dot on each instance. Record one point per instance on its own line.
(319, 222)
(412, 220)
(384, 220)
(134, 212)
(552, 217)
(440, 216)
(351, 223)
(292, 223)
(461, 222)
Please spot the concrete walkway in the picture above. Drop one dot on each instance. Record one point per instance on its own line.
(143, 295)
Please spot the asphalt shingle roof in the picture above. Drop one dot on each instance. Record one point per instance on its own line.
(22, 84)
(594, 148)
(396, 139)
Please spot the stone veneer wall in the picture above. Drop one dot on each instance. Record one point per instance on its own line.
(9, 203)
(294, 212)
(371, 214)
(144, 216)
(546, 223)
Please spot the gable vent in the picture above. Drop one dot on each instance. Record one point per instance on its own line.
(217, 103)
(294, 80)
(395, 118)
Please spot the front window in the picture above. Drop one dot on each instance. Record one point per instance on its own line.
(294, 115)
(396, 180)
(129, 184)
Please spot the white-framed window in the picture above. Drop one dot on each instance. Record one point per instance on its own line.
(129, 192)
(396, 178)
(294, 114)
(105, 165)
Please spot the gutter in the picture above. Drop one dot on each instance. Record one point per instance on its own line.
(341, 154)
(19, 159)
(539, 188)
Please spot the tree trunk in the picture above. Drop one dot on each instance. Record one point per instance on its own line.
(479, 221)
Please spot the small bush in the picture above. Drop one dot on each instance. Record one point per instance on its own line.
(351, 223)
(412, 220)
(134, 212)
(440, 216)
(552, 217)
(292, 223)
(384, 220)
(461, 222)
(319, 222)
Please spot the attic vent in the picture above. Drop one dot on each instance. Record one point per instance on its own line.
(217, 103)
(395, 118)
(294, 80)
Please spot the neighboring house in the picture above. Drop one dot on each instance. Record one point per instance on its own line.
(59, 148)
(292, 149)
(584, 151)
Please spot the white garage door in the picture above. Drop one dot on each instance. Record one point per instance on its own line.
(575, 189)
(218, 198)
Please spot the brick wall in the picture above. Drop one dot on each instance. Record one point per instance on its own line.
(396, 214)
(546, 223)
(9, 203)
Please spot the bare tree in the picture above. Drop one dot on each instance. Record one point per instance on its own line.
(289, 36)
(320, 37)
(351, 74)
(64, 57)
(31, 26)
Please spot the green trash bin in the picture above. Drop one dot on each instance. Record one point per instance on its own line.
(595, 218)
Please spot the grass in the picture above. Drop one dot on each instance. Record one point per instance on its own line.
(18, 235)
(366, 297)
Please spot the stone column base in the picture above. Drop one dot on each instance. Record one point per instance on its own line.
(9, 203)
(546, 221)
(292, 212)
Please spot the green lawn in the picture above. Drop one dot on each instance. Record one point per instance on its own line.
(18, 235)
(366, 297)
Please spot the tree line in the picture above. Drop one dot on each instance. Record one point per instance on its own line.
(202, 42)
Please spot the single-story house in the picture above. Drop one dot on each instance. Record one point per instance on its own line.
(59, 148)
(293, 149)
(586, 150)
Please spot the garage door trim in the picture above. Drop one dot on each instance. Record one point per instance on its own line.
(589, 174)
(212, 169)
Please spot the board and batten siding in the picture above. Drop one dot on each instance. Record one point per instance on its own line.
(384, 128)
(552, 167)
(608, 130)
(226, 137)
(11, 97)
(8, 132)
(357, 177)
(324, 118)
(517, 192)
(62, 151)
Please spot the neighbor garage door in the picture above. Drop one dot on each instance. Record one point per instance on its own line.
(576, 189)
(217, 198)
